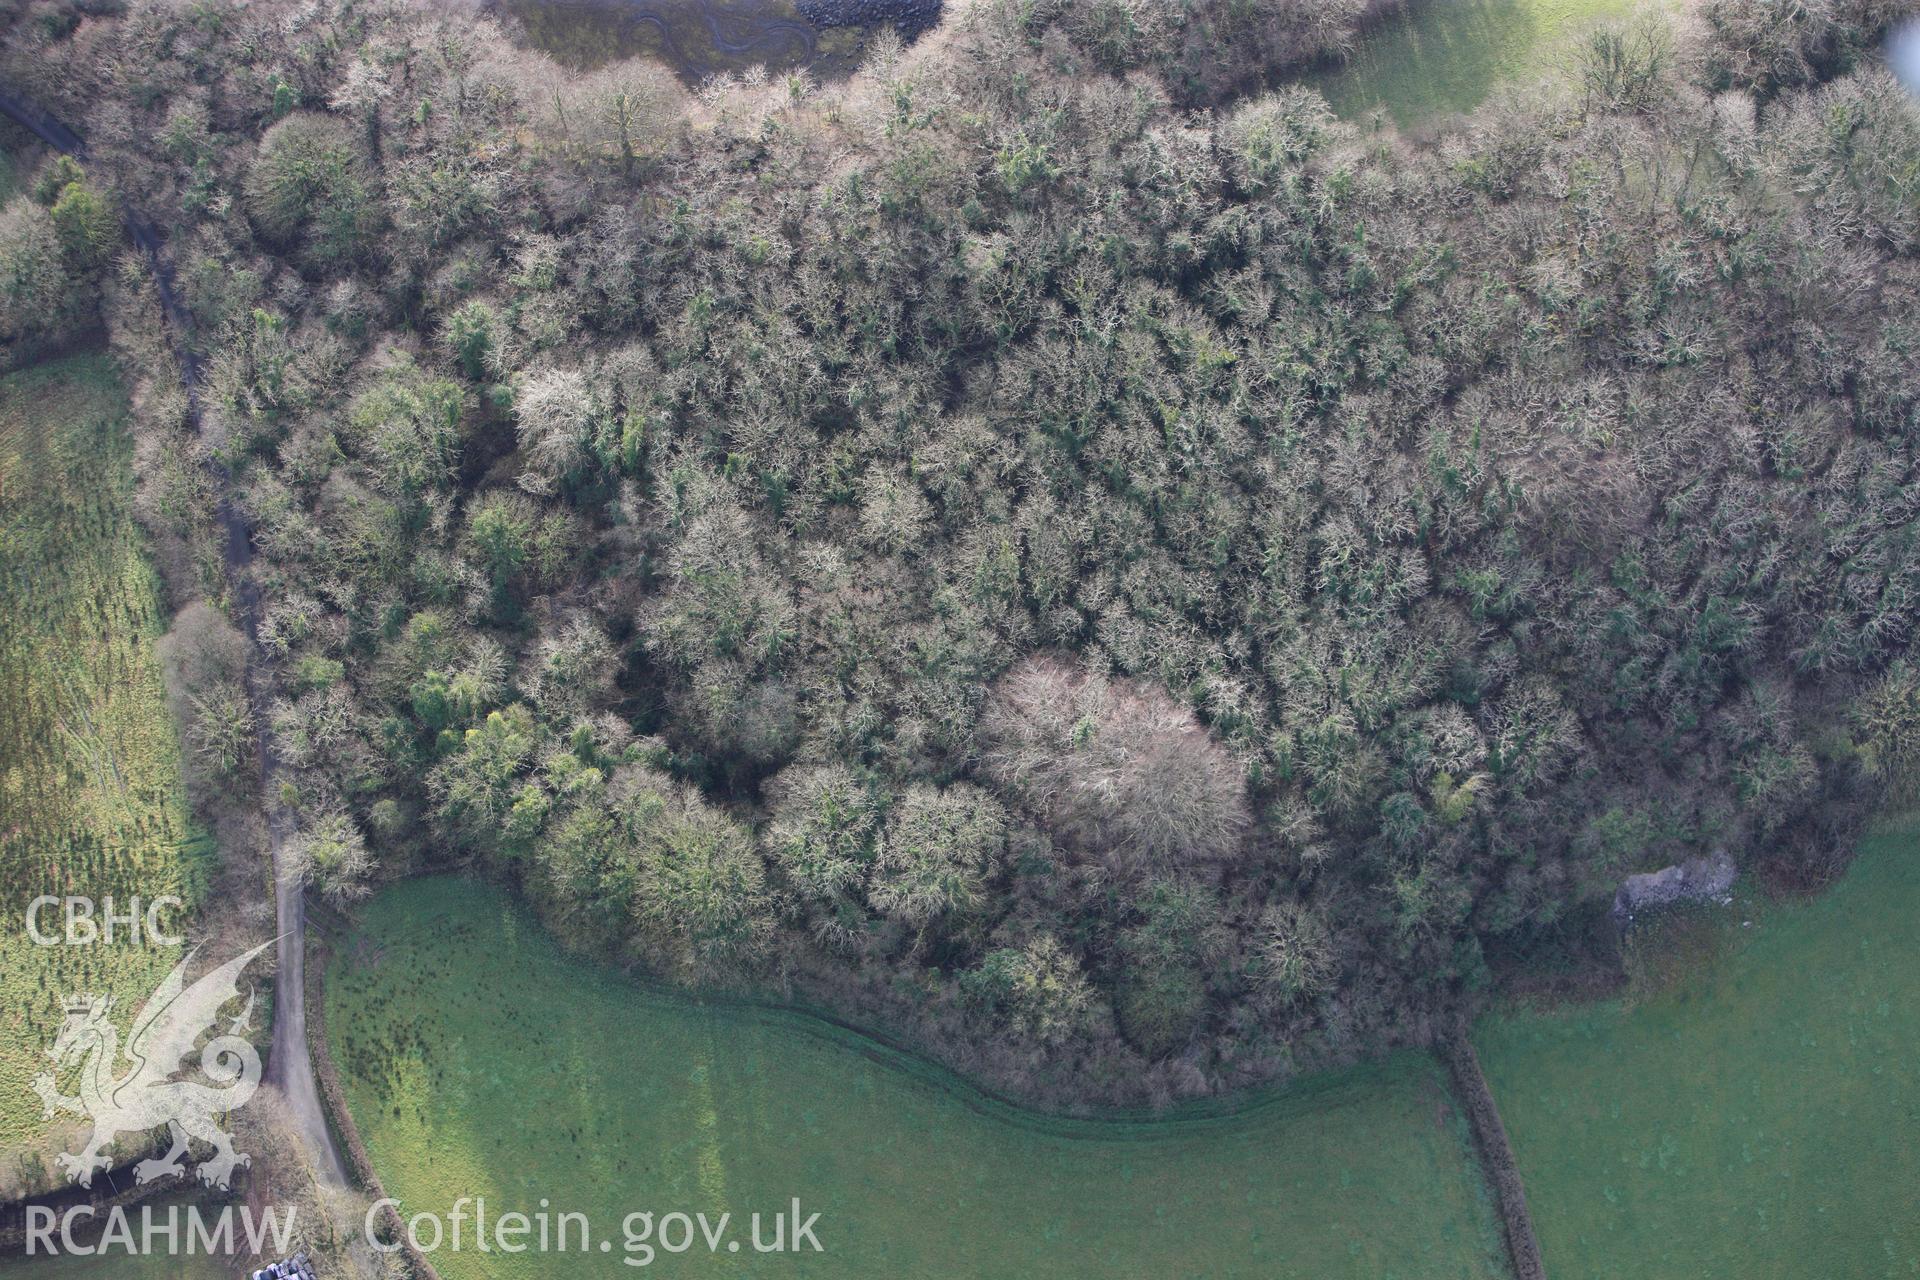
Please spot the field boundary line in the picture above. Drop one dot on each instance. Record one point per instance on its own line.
(113, 1195)
(339, 1117)
(1496, 1154)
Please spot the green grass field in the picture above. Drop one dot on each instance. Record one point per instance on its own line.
(1756, 1116)
(91, 801)
(120, 1265)
(481, 1060)
(116, 1267)
(1433, 59)
(596, 33)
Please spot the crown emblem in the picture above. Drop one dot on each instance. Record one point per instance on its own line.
(83, 1003)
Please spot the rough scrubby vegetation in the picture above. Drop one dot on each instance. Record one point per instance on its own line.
(1139, 601)
(91, 798)
(55, 240)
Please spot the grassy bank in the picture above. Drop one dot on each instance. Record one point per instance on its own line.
(1436, 58)
(1750, 1109)
(758, 33)
(120, 1267)
(480, 1060)
(91, 801)
(117, 1267)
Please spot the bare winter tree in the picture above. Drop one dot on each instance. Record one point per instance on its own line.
(1116, 769)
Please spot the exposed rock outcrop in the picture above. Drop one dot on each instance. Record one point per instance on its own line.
(1708, 879)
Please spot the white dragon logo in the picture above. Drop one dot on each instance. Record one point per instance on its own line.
(146, 1096)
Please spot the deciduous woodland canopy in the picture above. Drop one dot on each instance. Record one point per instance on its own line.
(1134, 600)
